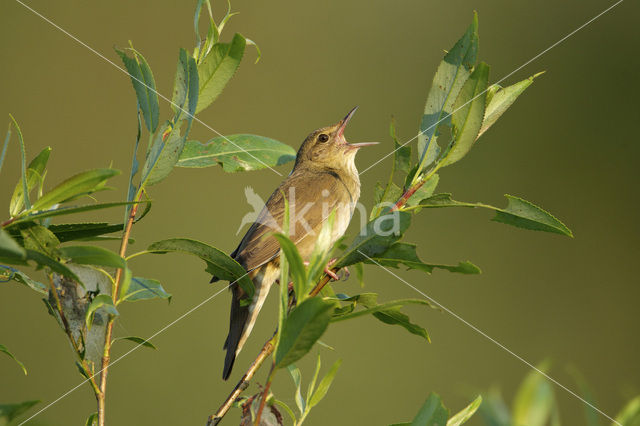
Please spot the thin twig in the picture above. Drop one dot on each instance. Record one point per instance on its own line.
(264, 395)
(106, 355)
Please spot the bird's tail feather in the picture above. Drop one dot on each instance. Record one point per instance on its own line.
(243, 318)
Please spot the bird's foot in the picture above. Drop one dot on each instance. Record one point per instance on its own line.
(333, 275)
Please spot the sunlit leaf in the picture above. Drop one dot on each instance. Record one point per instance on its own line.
(40, 239)
(302, 328)
(425, 191)
(35, 176)
(325, 383)
(465, 414)
(144, 85)
(630, 414)
(432, 413)
(23, 278)
(4, 350)
(452, 73)
(60, 211)
(468, 114)
(236, 153)
(217, 68)
(296, 266)
(92, 420)
(51, 263)
(218, 263)
(23, 159)
(80, 184)
(535, 400)
(296, 376)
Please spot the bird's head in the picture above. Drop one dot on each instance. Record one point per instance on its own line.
(327, 147)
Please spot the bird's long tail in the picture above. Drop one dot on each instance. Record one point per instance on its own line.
(244, 317)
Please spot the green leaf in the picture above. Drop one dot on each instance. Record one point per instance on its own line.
(499, 99)
(23, 159)
(218, 262)
(469, 112)
(296, 266)
(103, 301)
(4, 147)
(93, 255)
(78, 231)
(534, 401)
(405, 254)
(92, 420)
(302, 328)
(375, 238)
(324, 385)
(235, 153)
(452, 73)
(286, 408)
(4, 349)
(40, 239)
(314, 379)
(519, 213)
(9, 247)
(630, 414)
(35, 177)
(432, 413)
(425, 191)
(44, 260)
(465, 414)
(217, 68)
(393, 316)
(23, 278)
(144, 85)
(493, 410)
(144, 289)
(401, 153)
(60, 211)
(8, 412)
(297, 381)
(592, 417)
(76, 186)
(139, 340)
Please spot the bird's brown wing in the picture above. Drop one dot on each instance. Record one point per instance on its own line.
(307, 212)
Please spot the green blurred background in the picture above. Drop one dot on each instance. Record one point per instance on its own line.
(569, 144)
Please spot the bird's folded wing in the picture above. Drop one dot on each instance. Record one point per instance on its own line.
(307, 214)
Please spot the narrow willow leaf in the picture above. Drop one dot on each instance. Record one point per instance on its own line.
(92, 420)
(372, 307)
(144, 85)
(324, 385)
(452, 73)
(499, 99)
(296, 376)
(314, 379)
(432, 413)
(236, 153)
(23, 159)
(93, 255)
(144, 289)
(78, 185)
(302, 328)
(135, 166)
(393, 316)
(217, 68)
(469, 112)
(296, 266)
(592, 417)
(35, 176)
(103, 301)
(218, 263)
(51, 263)
(80, 231)
(375, 238)
(286, 408)
(465, 414)
(139, 340)
(23, 278)
(8, 412)
(4, 350)
(630, 414)
(401, 153)
(322, 252)
(534, 400)
(9, 247)
(40, 239)
(405, 254)
(519, 213)
(493, 410)
(180, 85)
(60, 211)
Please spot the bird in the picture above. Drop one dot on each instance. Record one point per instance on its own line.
(324, 178)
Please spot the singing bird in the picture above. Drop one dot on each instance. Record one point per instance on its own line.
(324, 178)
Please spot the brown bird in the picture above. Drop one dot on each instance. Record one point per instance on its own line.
(324, 178)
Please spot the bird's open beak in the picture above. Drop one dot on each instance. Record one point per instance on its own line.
(344, 121)
(361, 144)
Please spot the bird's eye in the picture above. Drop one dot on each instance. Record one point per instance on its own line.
(323, 137)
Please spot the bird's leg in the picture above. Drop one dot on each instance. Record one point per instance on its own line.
(329, 272)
